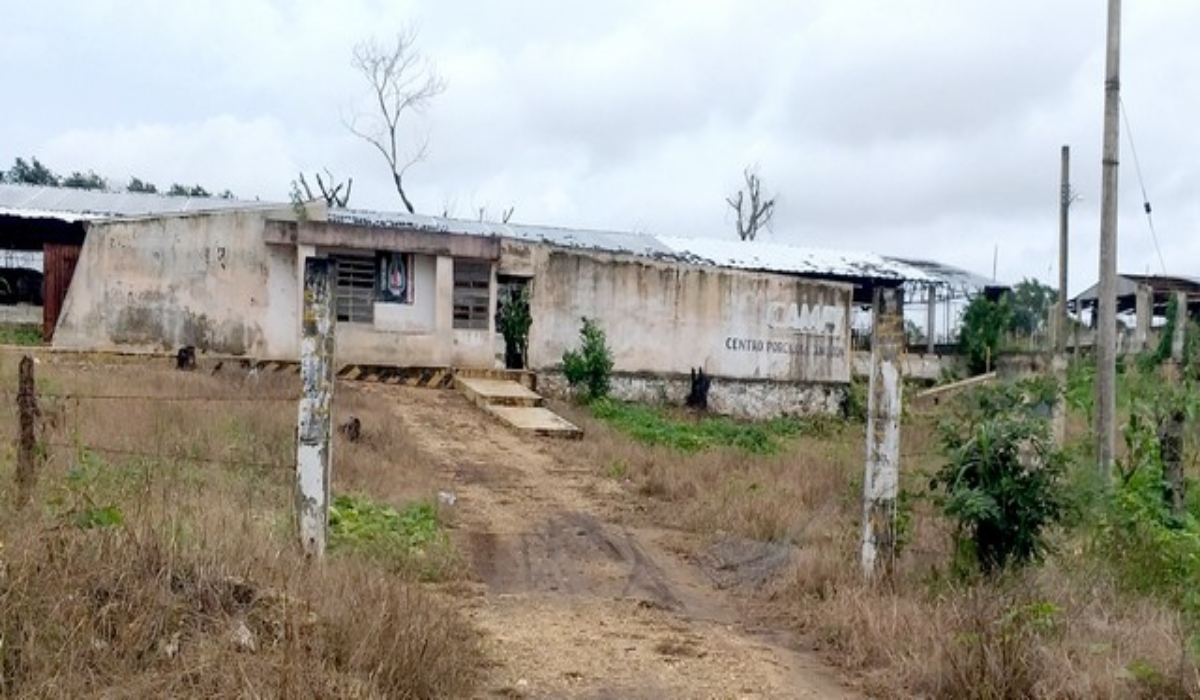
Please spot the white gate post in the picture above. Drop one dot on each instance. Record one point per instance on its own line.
(881, 482)
(315, 430)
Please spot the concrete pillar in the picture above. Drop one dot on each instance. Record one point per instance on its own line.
(1145, 313)
(881, 482)
(1058, 417)
(931, 320)
(1181, 322)
(315, 424)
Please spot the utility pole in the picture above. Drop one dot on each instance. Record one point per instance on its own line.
(1106, 348)
(1064, 204)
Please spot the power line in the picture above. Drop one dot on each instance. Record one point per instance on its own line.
(1141, 183)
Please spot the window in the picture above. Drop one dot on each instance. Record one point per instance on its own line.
(472, 294)
(354, 288)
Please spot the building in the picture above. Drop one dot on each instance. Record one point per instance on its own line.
(770, 324)
(1142, 300)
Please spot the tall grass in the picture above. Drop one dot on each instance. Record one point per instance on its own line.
(1069, 628)
(157, 557)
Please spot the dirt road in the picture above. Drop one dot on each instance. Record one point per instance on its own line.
(574, 604)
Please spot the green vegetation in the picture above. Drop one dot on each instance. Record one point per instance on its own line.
(1002, 484)
(514, 320)
(402, 539)
(1031, 302)
(20, 334)
(982, 331)
(659, 426)
(590, 368)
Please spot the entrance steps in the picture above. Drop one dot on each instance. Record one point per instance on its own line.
(515, 405)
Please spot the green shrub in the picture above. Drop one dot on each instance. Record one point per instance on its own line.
(1003, 482)
(590, 367)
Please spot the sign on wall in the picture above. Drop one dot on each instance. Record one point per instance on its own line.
(662, 318)
(394, 273)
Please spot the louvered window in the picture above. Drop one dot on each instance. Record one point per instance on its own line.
(354, 288)
(472, 294)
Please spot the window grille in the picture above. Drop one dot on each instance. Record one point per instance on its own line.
(472, 294)
(354, 288)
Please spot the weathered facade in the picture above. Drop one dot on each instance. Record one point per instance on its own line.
(421, 292)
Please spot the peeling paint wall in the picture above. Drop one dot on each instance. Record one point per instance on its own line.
(665, 318)
(158, 284)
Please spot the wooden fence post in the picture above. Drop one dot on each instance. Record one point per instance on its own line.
(28, 413)
(881, 483)
(315, 432)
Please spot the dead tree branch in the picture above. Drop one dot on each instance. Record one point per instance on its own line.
(755, 214)
(401, 81)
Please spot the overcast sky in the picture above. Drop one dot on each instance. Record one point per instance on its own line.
(924, 128)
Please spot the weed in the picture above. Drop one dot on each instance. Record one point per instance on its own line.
(20, 334)
(656, 426)
(410, 538)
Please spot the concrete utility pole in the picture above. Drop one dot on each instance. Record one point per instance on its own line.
(313, 448)
(881, 483)
(1106, 343)
(1064, 205)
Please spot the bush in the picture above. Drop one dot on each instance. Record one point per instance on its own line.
(1003, 482)
(591, 366)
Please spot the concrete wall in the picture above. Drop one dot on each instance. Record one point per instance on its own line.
(158, 284)
(209, 280)
(750, 399)
(668, 318)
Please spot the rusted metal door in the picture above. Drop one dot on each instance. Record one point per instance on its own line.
(58, 267)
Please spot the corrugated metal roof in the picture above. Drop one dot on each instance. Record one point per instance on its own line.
(746, 255)
(611, 241)
(773, 257)
(1127, 286)
(66, 204)
(954, 277)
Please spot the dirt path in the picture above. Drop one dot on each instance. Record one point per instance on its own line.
(575, 605)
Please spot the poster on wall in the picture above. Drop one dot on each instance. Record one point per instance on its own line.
(395, 278)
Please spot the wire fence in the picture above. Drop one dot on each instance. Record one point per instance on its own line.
(62, 423)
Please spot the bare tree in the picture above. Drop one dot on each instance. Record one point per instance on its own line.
(401, 82)
(333, 194)
(755, 214)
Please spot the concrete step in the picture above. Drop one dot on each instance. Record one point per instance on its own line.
(496, 392)
(523, 377)
(537, 420)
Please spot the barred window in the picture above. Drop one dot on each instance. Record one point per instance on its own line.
(354, 288)
(472, 294)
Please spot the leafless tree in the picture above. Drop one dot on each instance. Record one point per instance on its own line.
(332, 193)
(754, 214)
(401, 82)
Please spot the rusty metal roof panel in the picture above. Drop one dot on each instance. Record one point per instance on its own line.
(67, 204)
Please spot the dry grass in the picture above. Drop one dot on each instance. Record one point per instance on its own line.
(1063, 631)
(156, 558)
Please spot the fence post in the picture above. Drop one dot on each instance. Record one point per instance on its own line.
(1182, 318)
(313, 444)
(882, 480)
(27, 409)
(1058, 415)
